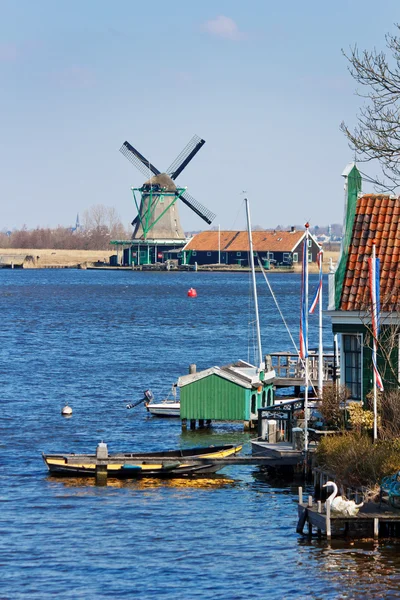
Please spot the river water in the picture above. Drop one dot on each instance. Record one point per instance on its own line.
(96, 340)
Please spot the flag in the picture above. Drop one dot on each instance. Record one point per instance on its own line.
(374, 286)
(303, 311)
(319, 287)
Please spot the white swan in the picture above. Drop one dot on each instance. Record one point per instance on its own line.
(340, 505)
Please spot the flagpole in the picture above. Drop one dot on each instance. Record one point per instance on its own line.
(305, 263)
(320, 344)
(374, 317)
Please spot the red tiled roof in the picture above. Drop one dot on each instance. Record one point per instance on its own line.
(238, 241)
(377, 219)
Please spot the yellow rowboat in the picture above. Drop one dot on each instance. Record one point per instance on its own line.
(128, 465)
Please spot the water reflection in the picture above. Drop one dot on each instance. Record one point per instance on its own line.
(361, 568)
(144, 483)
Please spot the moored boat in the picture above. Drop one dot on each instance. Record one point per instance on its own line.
(167, 408)
(181, 462)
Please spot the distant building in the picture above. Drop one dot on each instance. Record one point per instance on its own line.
(275, 248)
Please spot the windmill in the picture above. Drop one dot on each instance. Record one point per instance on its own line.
(157, 211)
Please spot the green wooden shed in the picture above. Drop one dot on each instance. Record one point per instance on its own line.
(233, 392)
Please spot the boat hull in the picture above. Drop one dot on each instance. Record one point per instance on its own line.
(164, 409)
(175, 463)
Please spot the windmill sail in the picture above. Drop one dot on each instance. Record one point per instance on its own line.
(184, 158)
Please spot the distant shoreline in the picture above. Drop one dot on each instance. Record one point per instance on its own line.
(50, 258)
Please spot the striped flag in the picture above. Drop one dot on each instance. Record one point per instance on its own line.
(374, 286)
(319, 287)
(303, 311)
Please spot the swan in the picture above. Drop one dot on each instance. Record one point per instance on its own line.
(340, 504)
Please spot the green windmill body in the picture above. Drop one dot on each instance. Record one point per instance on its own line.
(157, 229)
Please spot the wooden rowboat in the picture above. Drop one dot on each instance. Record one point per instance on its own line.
(130, 465)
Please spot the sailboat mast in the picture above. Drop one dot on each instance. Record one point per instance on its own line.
(253, 273)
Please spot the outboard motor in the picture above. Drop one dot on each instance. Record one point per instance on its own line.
(148, 397)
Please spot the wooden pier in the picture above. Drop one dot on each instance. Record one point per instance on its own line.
(374, 520)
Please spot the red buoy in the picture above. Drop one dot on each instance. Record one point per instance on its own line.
(192, 293)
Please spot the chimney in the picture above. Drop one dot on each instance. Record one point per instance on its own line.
(293, 229)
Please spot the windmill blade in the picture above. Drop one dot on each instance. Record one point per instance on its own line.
(185, 156)
(198, 208)
(138, 160)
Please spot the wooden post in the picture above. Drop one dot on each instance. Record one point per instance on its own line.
(201, 423)
(328, 519)
(184, 424)
(300, 495)
(319, 509)
(101, 474)
(376, 528)
(208, 423)
(192, 424)
(309, 502)
(192, 369)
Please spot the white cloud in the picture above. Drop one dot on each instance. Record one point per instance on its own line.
(224, 27)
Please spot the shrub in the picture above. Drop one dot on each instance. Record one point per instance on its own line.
(332, 405)
(356, 461)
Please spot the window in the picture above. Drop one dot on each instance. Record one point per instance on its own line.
(208, 253)
(352, 364)
(295, 257)
(309, 254)
(286, 257)
(253, 403)
(264, 399)
(194, 253)
(270, 255)
(238, 254)
(309, 242)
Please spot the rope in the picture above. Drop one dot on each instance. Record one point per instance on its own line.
(282, 317)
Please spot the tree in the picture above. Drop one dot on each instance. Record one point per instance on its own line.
(377, 135)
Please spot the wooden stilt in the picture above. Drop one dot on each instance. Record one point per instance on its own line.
(328, 520)
(192, 424)
(184, 424)
(376, 528)
(201, 423)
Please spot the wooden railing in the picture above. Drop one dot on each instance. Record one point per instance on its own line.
(290, 366)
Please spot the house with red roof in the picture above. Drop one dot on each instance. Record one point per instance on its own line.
(275, 248)
(370, 220)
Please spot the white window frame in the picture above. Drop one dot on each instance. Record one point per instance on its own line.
(194, 253)
(286, 257)
(208, 253)
(295, 257)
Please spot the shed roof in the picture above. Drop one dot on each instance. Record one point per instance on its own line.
(377, 219)
(238, 241)
(240, 372)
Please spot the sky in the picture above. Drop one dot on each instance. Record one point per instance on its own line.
(265, 83)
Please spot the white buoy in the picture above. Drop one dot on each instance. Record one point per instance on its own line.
(66, 411)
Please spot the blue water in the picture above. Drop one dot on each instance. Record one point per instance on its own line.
(96, 340)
